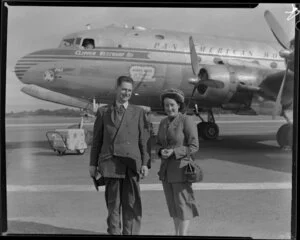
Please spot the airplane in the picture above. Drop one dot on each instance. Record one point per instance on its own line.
(244, 76)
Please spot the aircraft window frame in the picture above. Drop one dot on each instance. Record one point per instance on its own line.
(68, 42)
(78, 41)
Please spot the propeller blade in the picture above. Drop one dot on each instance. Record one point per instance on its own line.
(194, 57)
(277, 30)
(278, 104)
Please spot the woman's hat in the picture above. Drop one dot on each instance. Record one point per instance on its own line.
(173, 93)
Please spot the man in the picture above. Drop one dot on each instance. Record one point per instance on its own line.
(119, 150)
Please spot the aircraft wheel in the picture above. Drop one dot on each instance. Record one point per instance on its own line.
(284, 135)
(200, 128)
(80, 151)
(210, 131)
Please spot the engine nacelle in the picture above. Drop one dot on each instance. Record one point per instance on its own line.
(220, 83)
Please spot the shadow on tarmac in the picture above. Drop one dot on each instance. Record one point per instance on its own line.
(21, 227)
(253, 150)
(257, 151)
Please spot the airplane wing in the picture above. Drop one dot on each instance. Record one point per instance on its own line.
(55, 97)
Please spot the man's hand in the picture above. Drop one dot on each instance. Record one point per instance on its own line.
(166, 153)
(93, 171)
(144, 171)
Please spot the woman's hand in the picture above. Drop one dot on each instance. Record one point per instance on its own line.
(166, 153)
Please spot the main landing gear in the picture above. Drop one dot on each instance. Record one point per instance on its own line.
(208, 130)
(284, 134)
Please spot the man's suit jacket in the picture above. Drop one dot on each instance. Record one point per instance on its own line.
(182, 136)
(115, 148)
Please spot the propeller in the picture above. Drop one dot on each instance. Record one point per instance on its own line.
(287, 53)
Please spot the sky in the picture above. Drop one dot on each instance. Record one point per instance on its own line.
(34, 28)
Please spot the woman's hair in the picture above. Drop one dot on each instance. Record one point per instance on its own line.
(175, 97)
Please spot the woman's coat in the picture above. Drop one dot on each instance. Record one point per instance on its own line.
(182, 136)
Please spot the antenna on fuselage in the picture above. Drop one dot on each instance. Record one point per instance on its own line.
(88, 26)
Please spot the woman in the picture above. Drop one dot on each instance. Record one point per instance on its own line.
(177, 139)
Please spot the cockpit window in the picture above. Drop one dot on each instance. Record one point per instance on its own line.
(68, 42)
(88, 43)
(78, 40)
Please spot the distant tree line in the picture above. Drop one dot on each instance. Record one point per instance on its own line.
(64, 112)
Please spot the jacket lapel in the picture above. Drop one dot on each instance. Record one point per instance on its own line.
(171, 127)
(175, 122)
(112, 114)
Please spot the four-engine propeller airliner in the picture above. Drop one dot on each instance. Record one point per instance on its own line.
(247, 77)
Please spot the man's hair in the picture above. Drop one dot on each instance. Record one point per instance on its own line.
(122, 79)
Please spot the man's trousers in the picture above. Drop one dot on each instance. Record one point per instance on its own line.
(122, 195)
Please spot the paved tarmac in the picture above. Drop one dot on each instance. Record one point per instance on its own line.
(246, 189)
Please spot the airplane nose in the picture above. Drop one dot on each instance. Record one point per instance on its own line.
(21, 68)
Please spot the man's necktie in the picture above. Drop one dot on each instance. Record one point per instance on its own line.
(119, 114)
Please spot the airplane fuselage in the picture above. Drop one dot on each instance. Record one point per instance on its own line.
(155, 59)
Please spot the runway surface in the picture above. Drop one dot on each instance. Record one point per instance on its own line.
(246, 189)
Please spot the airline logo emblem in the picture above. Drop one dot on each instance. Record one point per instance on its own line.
(49, 75)
(141, 73)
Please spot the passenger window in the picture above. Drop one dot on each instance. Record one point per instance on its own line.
(88, 43)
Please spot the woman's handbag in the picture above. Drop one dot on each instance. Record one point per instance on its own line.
(193, 173)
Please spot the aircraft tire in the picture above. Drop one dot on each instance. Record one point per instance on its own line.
(210, 131)
(284, 136)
